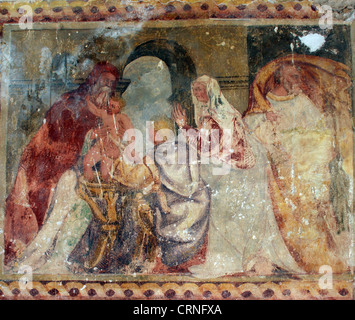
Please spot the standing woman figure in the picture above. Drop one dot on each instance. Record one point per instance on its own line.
(243, 233)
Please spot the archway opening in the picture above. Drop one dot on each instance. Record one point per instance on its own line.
(147, 96)
(181, 68)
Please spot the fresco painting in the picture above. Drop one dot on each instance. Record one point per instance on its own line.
(195, 151)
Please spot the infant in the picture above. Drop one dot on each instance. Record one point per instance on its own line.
(108, 147)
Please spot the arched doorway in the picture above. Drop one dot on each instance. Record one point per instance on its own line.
(181, 68)
(147, 96)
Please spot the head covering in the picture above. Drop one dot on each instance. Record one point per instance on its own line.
(217, 106)
(228, 119)
(100, 68)
(325, 82)
(322, 79)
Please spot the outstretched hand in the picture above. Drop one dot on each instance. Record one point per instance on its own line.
(179, 115)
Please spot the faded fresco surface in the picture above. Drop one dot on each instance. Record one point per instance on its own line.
(204, 150)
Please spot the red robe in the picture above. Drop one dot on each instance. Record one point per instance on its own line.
(54, 149)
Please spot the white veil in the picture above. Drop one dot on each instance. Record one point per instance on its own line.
(217, 106)
(242, 223)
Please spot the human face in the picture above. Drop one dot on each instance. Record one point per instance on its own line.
(200, 92)
(103, 89)
(291, 79)
(107, 80)
(115, 107)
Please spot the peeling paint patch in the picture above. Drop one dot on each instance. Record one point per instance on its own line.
(313, 41)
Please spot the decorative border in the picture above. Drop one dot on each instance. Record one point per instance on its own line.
(108, 10)
(143, 10)
(288, 290)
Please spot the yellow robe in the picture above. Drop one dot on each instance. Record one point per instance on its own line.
(300, 146)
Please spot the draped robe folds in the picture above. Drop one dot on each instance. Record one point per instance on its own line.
(311, 139)
(65, 224)
(54, 149)
(181, 232)
(121, 257)
(242, 228)
(70, 234)
(299, 183)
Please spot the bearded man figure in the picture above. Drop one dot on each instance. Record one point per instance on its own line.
(299, 108)
(54, 149)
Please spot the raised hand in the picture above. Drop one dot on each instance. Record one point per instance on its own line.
(179, 115)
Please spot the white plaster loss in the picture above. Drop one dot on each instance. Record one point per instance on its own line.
(313, 41)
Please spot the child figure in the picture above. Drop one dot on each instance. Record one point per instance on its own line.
(108, 146)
